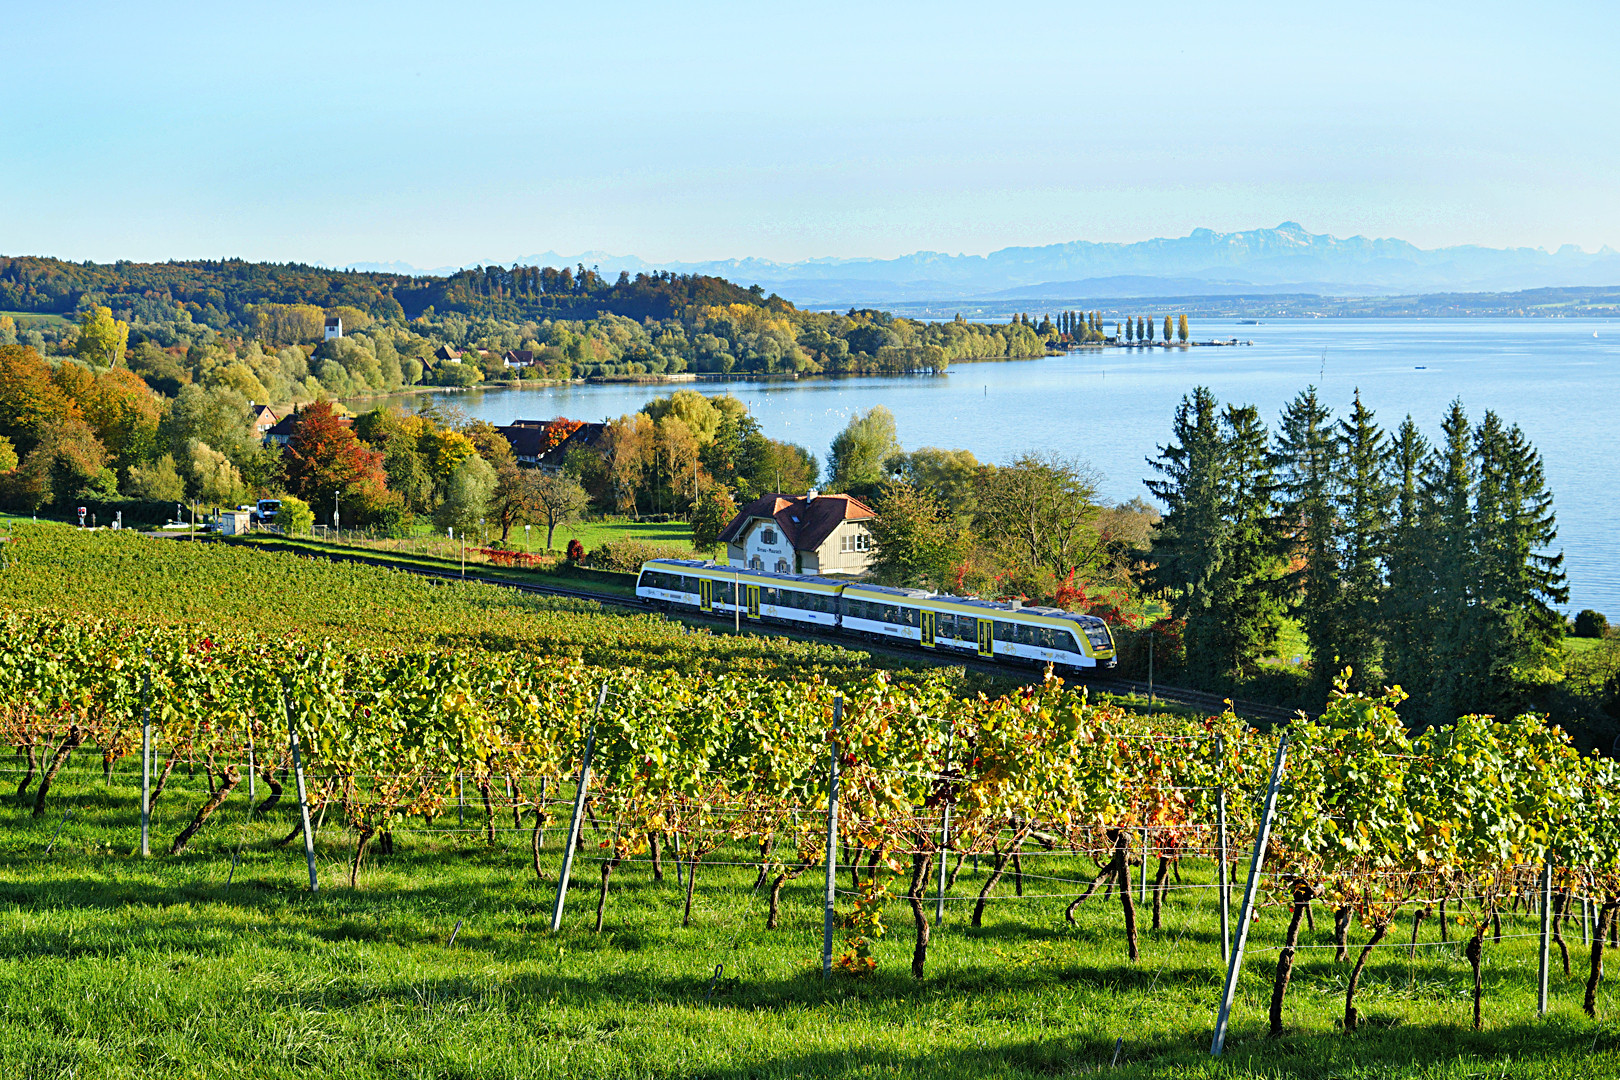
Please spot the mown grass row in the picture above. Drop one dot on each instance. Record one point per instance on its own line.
(114, 966)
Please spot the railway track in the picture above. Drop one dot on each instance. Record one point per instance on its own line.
(1197, 699)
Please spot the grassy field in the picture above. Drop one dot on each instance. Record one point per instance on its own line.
(111, 966)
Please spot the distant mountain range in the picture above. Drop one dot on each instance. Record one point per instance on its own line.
(1284, 260)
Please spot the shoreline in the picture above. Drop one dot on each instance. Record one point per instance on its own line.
(759, 376)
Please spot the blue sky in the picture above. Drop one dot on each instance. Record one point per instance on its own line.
(452, 133)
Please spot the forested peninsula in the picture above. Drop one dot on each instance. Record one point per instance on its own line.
(260, 327)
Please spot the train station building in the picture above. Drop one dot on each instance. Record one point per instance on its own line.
(801, 534)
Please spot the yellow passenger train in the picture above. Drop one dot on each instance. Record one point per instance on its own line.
(1005, 632)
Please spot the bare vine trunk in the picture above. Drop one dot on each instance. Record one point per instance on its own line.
(1341, 934)
(1083, 897)
(229, 777)
(1560, 912)
(920, 864)
(1417, 920)
(765, 847)
(691, 879)
(1605, 919)
(601, 897)
(1003, 857)
(1285, 960)
(1159, 889)
(268, 775)
(359, 853)
(163, 775)
(775, 909)
(950, 881)
(73, 738)
(655, 849)
(535, 837)
(1473, 951)
(1122, 864)
(1379, 930)
(489, 808)
(28, 775)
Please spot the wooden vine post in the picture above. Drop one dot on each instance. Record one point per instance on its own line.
(1246, 912)
(830, 913)
(579, 811)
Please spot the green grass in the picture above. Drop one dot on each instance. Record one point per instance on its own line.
(1583, 645)
(593, 534)
(110, 966)
(25, 317)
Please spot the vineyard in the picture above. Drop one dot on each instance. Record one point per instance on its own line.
(1034, 871)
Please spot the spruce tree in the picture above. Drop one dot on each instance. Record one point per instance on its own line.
(1458, 673)
(1189, 543)
(1305, 460)
(1246, 605)
(1408, 607)
(1213, 552)
(1363, 504)
(1519, 583)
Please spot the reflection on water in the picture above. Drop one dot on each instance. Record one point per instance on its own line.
(1111, 408)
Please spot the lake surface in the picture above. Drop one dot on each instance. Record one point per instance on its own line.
(1554, 378)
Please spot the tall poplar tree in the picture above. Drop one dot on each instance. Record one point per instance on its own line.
(1363, 505)
(1181, 328)
(1167, 329)
(1306, 459)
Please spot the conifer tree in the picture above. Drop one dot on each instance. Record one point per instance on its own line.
(1189, 544)
(1305, 460)
(1363, 505)
(1213, 551)
(1246, 606)
(1460, 658)
(1518, 581)
(1408, 605)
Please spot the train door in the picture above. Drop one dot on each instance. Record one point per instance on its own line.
(987, 641)
(753, 601)
(927, 625)
(705, 594)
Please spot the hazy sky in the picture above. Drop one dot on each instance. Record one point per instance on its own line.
(452, 133)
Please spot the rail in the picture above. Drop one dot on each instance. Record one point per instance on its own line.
(1197, 699)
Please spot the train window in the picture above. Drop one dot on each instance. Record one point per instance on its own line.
(1006, 631)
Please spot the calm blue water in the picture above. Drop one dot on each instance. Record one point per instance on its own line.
(1554, 378)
